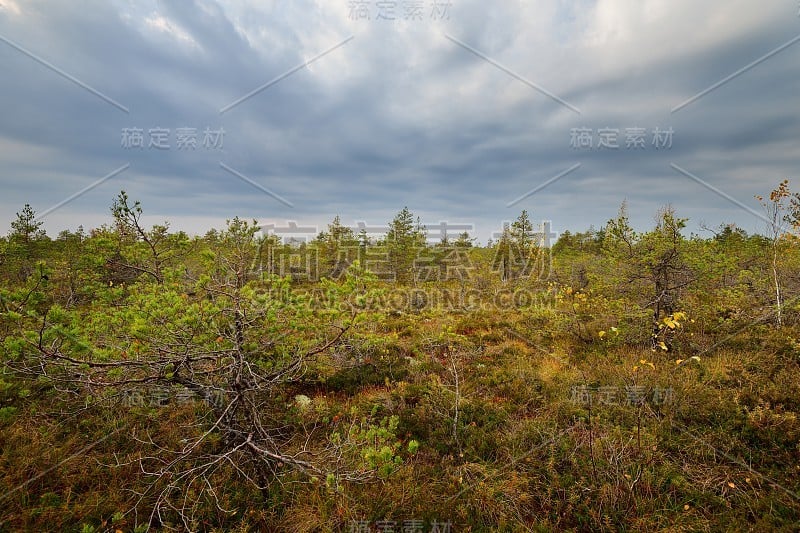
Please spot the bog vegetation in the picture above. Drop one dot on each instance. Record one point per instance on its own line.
(620, 380)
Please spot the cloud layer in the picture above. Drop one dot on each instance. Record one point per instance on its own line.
(453, 109)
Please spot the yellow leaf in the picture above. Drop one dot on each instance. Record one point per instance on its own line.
(601, 334)
(663, 346)
(731, 485)
(686, 507)
(635, 368)
(678, 361)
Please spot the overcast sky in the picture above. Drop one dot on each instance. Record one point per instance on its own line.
(466, 112)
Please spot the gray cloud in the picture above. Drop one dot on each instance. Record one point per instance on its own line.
(400, 115)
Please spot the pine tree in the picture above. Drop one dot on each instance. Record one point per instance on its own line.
(26, 228)
(522, 231)
(337, 248)
(403, 241)
(464, 241)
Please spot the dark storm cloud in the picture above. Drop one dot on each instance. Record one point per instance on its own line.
(401, 114)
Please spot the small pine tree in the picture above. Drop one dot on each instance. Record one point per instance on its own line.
(26, 228)
(403, 241)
